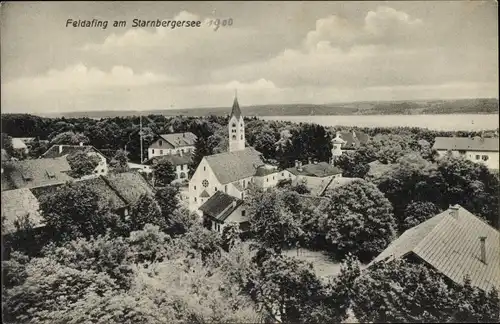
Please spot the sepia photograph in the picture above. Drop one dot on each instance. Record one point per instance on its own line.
(273, 162)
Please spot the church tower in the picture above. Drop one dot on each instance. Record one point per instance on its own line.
(236, 128)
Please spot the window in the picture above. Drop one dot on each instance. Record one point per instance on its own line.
(462, 152)
(243, 213)
(234, 125)
(161, 152)
(485, 157)
(477, 157)
(233, 130)
(102, 170)
(195, 189)
(242, 195)
(282, 174)
(205, 183)
(225, 188)
(160, 142)
(153, 151)
(234, 137)
(215, 188)
(194, 199)
(204, 168)
(267, 179)
(273, 177)
(243, 183)
(241, 136)
(241, 125)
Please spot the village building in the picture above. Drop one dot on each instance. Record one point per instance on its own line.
(455, 243)
(222, 209)
(180, 161)
(315, 176)
(476, 149)
(172, 144)
(57, 151)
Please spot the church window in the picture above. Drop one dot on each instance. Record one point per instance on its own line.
(215, 188)
(194, 187)
(204, 168)
(194, 199)
(243, 213)
(267, 179)
(234, 137)
(205, 183)
(233, 130)
(243, 183)
(234, 125)
(241, 125)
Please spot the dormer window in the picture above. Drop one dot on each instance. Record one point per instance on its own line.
(51, 174)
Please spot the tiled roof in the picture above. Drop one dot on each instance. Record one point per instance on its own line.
(466, 144)
(129, 185)
(35, 173)
(180, 139)
(19, 203)
(232, 166)
(321, 169)
(353, 141)
(54, 152)
(17, 143)
(265, 170)
(450, 243)
(185, 158)
(235, 111)
(220, 205)
(315, 185)
(106, 194)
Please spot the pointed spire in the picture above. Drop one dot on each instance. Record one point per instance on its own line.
(236, 112)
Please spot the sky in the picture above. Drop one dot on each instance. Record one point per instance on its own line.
(273, 53)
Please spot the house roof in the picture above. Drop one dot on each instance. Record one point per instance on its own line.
(315, 185)
(108, 197)
(129, 185)
(176, 159)
(220, 206)
(353, 139)
(16, 204)
(35, 173)
(232, 166)
(450, 243)
(204, 194)
(265, 170)
(466, 144)
(180, 139)
(321, 169)
(17, 143)
(54, 152)
(236, 111)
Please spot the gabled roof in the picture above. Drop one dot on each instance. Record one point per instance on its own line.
(233, 166)
(321, 169)
(179, 139)
(17, 143)
(466, 144)
(220, 206)
(17, 204)
(450, 243)
(54, 152)
(235, 111)
(175, 159)
(129, 185)
(35, 173)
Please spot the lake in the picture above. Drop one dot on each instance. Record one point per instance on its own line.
(465, 122)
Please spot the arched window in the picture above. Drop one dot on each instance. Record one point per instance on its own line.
(234, 125)
(183, 175)
(234, 137)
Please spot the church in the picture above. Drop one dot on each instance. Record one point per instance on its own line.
(220, 182)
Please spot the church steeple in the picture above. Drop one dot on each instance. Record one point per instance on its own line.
(236, 127)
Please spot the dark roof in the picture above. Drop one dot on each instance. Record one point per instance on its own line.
(19, 203)
(450, 243)
(220, 206)
(265, 170)
(235, 111)
(35, 173)
(232, 166)
(106, 194)
(176, 159)
(353, 139)
(129, 185)
(321, 169)
(466, 144)
(54, 152)
(180, 139)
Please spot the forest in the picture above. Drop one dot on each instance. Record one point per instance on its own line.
(161, 265)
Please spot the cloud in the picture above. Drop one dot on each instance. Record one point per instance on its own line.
(383, 26)
(81, 79)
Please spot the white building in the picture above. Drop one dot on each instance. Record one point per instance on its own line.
(172, 144)
(477, 149)
(179, 161)
(56, 151)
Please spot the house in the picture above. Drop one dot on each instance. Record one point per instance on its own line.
(456, 243)
(34, 173)
(19, 146)
(180, 161)
(221, 209)
(56, 151)
(316, 176)
(19, 205)
(476, 149)
(347, 141)
(171, 144)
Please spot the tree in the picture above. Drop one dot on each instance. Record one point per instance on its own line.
(70, 138)
(400, 292)
(358, 220)
(417, 212)
(163, 172)
(201, 150)
(145, 211)
(74, 210)
(271, 221)
(82, 163)
(301, 188)
(119, 162)
(176, 221)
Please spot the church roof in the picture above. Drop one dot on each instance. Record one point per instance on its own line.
(233, 166)
(236, 112)
(220, 206)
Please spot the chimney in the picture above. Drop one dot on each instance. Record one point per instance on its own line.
(454, 211)
(60, 149)
(81, 143)
(482, 240)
